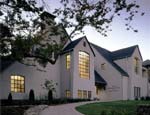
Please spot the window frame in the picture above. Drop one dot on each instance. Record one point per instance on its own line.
(80, 95)
(17, 83)
(68, 61)
(85, 94)
(136, 65)
(89, 94)
(103, 66)
(68, 94)
(84, 70)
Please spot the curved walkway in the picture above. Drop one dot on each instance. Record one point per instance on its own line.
(65, 109)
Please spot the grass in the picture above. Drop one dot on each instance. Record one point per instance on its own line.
(111, 108)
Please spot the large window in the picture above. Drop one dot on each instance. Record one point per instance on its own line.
(136, 65)
(17, 84)
(68, 61)
(84, 65)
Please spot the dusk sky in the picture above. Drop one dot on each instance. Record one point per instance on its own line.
(119, 37)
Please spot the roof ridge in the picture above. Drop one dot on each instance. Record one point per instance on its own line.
(124, 48)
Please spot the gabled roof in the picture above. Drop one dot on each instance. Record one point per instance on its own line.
(99, 79)
(107, 55)
(73, 44)
(5, 62)
(123, 53)
(146, 63)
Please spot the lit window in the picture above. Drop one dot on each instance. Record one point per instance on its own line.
(144, 73)
(84, 94)
(79, 94)
(89, 94)
(103, 66)
(68, 60)
(68, 93)
(97, 92)
(84, 65)
(136, 65)
(17, 84)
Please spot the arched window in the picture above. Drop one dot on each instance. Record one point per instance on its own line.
(84, 65)
(17, 83)
(136, 65)
(68, 61)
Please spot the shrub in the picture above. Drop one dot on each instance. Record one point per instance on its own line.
(142, 98)
(50, 95)
(147, 98)
(136, 98)
(10, 98)
(31, 95)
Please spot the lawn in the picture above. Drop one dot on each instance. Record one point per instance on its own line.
(111, 108)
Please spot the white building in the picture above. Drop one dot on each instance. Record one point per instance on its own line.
(82, 70)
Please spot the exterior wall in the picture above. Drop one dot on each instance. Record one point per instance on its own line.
(34, 78)
(125, 88)
(135, 80)
(113, 78)
(66, 76)
(80, 83)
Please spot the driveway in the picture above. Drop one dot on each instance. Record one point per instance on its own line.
(65, 109)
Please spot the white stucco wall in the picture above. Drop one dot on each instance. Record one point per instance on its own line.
(34, 78)
(80, 83)
(135, 80)
(111, 76)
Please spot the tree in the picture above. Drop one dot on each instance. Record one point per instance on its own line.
(50, 86)
(24, 24)
(31, 95)
(10, 98)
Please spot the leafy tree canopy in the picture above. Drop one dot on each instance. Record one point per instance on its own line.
(28, 30)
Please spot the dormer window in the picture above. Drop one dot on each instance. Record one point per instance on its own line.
(136, 65)
(103, 66)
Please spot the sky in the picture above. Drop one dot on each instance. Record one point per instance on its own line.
(119, 37)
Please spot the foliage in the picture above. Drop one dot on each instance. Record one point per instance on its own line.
(77, 14)
(49, 85)
(111, 108)
(31, 95)
(27, 29)
(10, 98)
(13, 110)
(50, 95)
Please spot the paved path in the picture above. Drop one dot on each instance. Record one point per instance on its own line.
(65, 109)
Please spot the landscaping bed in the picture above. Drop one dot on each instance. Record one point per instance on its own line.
(13, 110)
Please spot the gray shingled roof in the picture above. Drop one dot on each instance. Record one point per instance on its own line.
(146, 63)
(5, 62)
(72, 45)
(122, 53)
(99, 79)
(107, 55)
